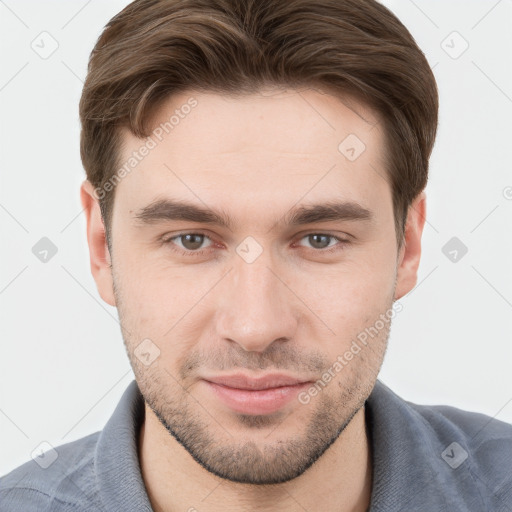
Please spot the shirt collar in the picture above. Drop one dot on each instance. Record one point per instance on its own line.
(116, 460)
(403, 472)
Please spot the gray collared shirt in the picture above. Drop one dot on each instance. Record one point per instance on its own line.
(425, 458)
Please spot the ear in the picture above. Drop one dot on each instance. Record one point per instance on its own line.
(98, 250)
(410, 252)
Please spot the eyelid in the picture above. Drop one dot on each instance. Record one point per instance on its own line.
(321, 233)
(165, 239)
(338, 235)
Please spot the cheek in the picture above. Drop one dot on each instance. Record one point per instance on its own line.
(351, 299)
(159, 300)
(361, 287)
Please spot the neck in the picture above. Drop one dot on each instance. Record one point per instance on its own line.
(340, 480)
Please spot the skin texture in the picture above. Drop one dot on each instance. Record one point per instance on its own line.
(293, 310)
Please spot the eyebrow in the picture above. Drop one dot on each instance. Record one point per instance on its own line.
(162, 210)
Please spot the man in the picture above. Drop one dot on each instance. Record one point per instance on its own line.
(255, 204)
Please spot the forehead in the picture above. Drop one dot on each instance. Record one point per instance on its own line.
(285, 121)
(272, 147)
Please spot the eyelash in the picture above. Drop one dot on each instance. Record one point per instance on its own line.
(201, 252)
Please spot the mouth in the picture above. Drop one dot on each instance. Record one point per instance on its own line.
(245, 382)
(261, 395)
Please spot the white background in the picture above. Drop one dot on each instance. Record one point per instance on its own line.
(63, 365)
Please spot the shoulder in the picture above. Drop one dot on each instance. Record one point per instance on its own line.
(478, 443)
(426, 448)
(475, 428)
(60, 479)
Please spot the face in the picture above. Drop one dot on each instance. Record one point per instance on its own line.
(266, 285)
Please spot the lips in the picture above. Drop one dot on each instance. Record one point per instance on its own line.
(255, 395)
(240, 381)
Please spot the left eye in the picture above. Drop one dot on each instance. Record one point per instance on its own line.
(190, 241)
(318, 240)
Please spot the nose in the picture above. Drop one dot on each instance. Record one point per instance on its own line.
(257, 307)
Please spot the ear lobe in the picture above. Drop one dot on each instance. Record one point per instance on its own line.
(410, 252)
(99, 254)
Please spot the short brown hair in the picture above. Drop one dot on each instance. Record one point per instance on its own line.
(154, 48)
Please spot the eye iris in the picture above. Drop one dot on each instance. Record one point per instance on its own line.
(314, 239)
(194, 241)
